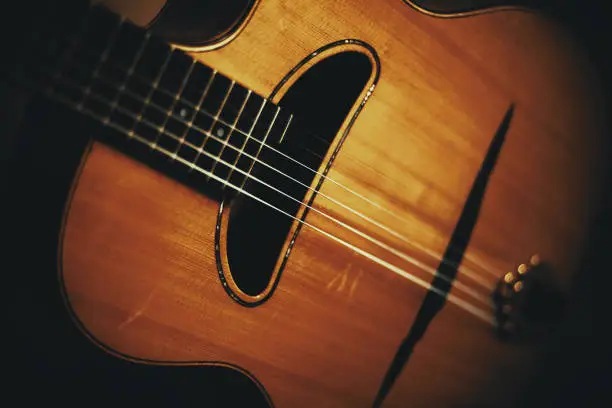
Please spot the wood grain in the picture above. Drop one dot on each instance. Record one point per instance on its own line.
(138, 250)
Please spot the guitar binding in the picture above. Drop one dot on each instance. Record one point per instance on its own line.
(351, 64)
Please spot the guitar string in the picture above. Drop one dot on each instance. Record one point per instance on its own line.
(153, 145)
(428, 269)
(459, 285)
(463, 269)
(463, 304)
(379, 243)
(469, 273)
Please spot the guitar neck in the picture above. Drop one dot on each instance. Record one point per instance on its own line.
(156, 96)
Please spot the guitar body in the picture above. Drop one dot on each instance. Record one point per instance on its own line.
(142, 255)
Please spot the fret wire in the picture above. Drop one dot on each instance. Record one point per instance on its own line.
(260, 147)
(196, 108)
(263, 142)
(195, 160)
(454, 299)
(216, 118)
(465, 289)
(144, 141)
(154, 146)
(130, 133)
(263, 105)
(248, 136)
(195, 111)
(162, 127)
(211, 135)
(232, 128)
(103, 58)
(286, 127)
(208, 134)
(158, 77)
(130, 72)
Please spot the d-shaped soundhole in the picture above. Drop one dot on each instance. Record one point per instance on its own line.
(257, 234)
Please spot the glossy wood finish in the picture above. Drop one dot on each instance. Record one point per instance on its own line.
(138, 262)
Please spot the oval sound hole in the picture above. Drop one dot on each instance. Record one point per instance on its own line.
(321, 98)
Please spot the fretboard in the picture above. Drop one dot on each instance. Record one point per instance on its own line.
(158, 96)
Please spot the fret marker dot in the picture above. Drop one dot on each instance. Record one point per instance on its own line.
(183, 113)
(220, 132)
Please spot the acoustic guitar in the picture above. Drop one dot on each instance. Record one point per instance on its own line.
(347, 204)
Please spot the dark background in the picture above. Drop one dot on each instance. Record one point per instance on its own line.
(578, 371)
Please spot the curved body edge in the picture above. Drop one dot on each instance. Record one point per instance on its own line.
(466, 8)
